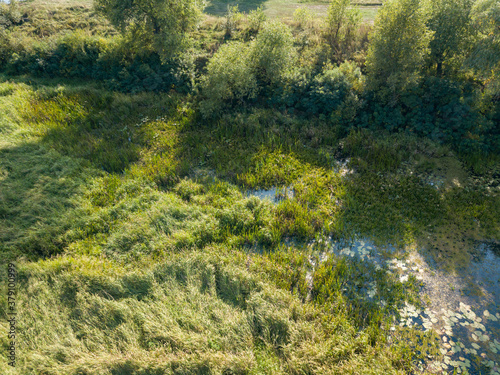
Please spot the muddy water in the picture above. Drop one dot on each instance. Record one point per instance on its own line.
(463, 306)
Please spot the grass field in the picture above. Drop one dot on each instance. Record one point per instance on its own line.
(151, 243)
(272, 8)
(283, 8)
(142, 248)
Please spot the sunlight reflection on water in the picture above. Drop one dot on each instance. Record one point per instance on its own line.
(463, 308)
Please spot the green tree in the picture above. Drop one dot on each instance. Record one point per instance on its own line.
(230, 79)
(273, 52)
(160, 24)
(485, 55)
(256, 19)
(450, 21)
(342, 21)
(398, 47)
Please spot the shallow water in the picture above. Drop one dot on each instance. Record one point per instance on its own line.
(274, 195)
(463, 307)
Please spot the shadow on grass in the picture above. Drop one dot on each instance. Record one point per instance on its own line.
(37, 191)
(158, 137)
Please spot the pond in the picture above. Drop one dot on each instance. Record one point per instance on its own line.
(463, 306)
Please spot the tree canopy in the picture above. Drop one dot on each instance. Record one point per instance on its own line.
(161, 24)
(399, 45)
(485, 56)
(450, 21)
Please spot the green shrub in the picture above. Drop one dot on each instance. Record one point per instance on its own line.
(256, 19)
(398, 47)
(78, 55)
(323, 94)
(303, 17)
(438, 108)
(230, 79)
(273, 53)
(233, 18)
(5, 47)
(9, 14)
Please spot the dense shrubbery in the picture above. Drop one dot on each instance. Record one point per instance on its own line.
(237, 71)
(438, 108)
(77, 55)
(230, 79)
(321, 94)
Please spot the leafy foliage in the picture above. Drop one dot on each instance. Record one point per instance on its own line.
(398, 47)
(485, 57)
(78, 55)
(440, 109)
(256, 19)
(450, 21)
(160, 24)
(322, 94)
(230, 79)
(272, 52)
(342, 21)
(303, 17)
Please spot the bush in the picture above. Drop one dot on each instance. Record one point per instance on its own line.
(440, 109)
(317, 95)
(272, 52)
(256, 19)
(303, 17)
(5, 47)
(233, 18)
(399, 45)
(230, 79)
(78, 55)
(9, 15)
(328, 90)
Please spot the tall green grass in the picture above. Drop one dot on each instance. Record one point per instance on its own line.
(140, 252)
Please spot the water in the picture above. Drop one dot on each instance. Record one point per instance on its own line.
(463, 306)
(274, 195)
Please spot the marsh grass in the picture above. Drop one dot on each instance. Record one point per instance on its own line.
(135, 239)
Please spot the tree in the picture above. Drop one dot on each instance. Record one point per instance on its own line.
(398, 47)
(451, 22)
(160, 24)
(273, 52)
(230, 79)
(485, 55)
(341, 23)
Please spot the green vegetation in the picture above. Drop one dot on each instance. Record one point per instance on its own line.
(126, 171)
(161, 25)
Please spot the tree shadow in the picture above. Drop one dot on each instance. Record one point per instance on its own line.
(71, 133)
(37, 192)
